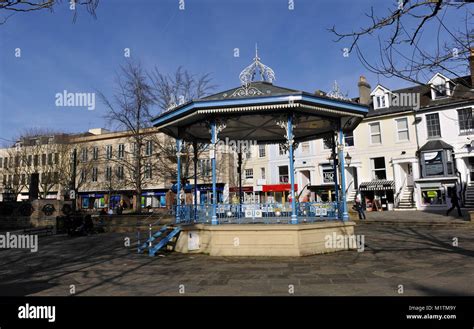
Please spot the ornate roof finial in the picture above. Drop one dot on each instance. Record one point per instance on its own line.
(248, 74)
(336, 92)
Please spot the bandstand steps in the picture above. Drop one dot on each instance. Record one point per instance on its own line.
(169, 240)
(156, 235)
(165, 238)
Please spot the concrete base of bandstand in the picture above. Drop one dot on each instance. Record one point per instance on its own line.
(263, 239)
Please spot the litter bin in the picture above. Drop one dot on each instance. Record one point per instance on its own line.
(390, 206)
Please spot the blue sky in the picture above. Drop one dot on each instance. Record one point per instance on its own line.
(58, 55)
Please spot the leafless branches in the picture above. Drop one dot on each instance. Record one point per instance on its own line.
(406, 35)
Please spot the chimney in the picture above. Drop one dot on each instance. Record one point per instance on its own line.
(364, 91)
(471, 65)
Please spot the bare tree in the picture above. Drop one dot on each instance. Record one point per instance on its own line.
(402, 42)
(130, 110)
(8, 8)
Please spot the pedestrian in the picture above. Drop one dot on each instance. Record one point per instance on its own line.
(454, 203)
(358, 207)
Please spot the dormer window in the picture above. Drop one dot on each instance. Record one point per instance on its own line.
(440, 91)
(380, 97)
(380, 101)
(441, 86)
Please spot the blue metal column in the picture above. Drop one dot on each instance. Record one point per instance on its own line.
(213, 162)
(334, 155)
(195, 160)
(294, 218)
(342, 165)
(178, 180)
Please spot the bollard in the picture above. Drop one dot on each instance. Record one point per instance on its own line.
(149, 235)
(138, 238)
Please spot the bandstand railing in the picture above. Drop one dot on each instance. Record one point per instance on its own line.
(258, 213)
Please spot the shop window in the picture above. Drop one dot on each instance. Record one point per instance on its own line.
(328, 174)
(437, 163)
(433, 196)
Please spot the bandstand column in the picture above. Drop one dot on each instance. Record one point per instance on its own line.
(344, 215)
(294, 218)
(195, 160)
(213, 163)
(178, 180)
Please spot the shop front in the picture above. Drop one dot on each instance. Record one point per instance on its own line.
(277, 193)
(378, 195)
(322, 193)
(92, 200)
(154, 199)
(435, 193)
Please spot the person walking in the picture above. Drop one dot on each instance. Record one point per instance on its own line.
(454, 203)
(359, 208)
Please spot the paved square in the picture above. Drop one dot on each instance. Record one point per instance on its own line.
(422, 259)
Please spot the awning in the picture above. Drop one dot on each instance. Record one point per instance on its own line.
(377, 185)
(278, 188)
(321, 188)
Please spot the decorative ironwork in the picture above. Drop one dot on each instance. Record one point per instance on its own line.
(337, 93)
(246, 90)
(248, 74)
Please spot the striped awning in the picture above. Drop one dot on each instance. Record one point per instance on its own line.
(377, 185)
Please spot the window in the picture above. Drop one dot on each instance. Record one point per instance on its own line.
(261, 151)
(30, 160)
(50, 159)
(95, 173)
(349, 138)
(148, 171)
(95, 153)
(109, 151)
(23, 179)
(437, 163)
(375, 134)
(120, 172)
(56, 158)
(1, 162)
(108, 173)
(380, 102)
(248, 154)
(432, 125)
(378, 168)
(248, 173)
(205, 167)
(283, 174)
(36, 161)
(262, 173)
(327, 142)
(282, 149)
(305, 147)
(83, 176)
(149, 148)
(402, 129)
(84, 155)
(328, 174)
(440, 90)
(121, 151)
(466, 124)
(43, 159)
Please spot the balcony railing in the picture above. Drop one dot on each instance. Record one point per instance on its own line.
(259, 213)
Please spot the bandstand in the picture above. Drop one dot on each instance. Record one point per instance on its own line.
(259, 111)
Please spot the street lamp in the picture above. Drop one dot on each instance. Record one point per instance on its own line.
(348, 159)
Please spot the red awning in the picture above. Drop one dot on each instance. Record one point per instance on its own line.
(278, 188)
